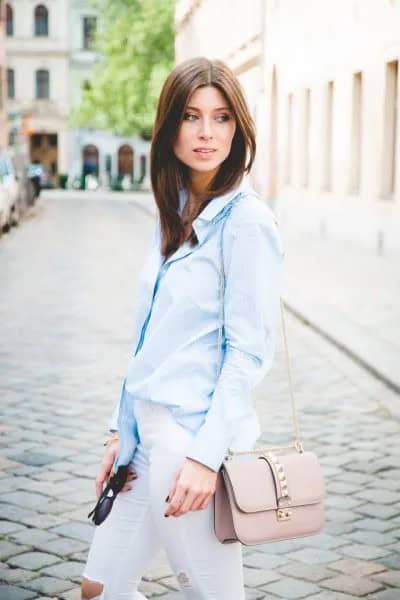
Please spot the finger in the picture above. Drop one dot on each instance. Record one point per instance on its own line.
(172, 492)
(100, 480)
(205, 502)
(126, 488)
(177, 501)
(174, 500)
(192, 499)
(173, 489)
(102, 477)
(201, 502)
(99, 486)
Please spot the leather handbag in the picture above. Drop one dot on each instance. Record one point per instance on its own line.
(268, 494)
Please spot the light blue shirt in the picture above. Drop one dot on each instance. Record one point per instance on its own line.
(175, 362)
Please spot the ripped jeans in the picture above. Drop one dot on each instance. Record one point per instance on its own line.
(125, 544)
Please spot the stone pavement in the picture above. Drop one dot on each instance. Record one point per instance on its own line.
(66, 313)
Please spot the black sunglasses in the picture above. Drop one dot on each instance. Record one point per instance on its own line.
(108, 495)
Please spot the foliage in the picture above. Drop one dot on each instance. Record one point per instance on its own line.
(135, 42)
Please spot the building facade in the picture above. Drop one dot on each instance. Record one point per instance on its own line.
(50, 58)
(331, 69)
(326, 108)
(3, 80)
(38, 78)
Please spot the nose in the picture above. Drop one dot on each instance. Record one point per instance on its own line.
(205, 131)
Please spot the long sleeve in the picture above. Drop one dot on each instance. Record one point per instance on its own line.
(253, 265)
(127, 428)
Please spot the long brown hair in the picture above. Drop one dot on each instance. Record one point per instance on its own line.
(168, 173)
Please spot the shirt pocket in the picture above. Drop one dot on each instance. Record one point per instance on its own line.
(199, 281)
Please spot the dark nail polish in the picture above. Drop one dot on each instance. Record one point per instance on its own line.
(166, 515)
(167, 499)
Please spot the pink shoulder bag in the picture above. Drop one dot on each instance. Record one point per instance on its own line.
(275, 493)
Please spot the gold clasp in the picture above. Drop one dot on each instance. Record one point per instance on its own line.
(283, 514)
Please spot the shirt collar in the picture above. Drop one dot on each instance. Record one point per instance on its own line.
(216, 205)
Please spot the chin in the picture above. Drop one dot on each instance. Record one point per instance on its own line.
(204, 168)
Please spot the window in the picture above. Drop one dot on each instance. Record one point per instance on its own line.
(89, 28)
(42, 84)
(356, 135)
(306, 132)
(36, 140)
(328, 141)
(9, 20)
(41, 20)
(52, 139)
(10, 83)
(390, 129)
(289, 141)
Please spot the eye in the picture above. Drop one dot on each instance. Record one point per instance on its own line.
(219, 118)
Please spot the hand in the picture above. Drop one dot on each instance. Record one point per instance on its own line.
(195, 480)
(107, 471)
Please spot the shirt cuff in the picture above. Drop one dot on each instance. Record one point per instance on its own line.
(211, 443)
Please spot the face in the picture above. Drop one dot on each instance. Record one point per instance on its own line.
(206, 132)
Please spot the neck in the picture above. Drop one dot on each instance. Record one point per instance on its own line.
(200, 181)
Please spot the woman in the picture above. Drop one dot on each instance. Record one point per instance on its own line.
(178, 413)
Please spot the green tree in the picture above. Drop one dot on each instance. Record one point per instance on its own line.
(135, 42)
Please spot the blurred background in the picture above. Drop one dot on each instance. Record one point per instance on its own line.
(79, 85)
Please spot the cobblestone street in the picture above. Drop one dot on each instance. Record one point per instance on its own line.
(68, 288)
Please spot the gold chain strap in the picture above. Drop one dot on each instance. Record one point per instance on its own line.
(297, 442)
(296, 425)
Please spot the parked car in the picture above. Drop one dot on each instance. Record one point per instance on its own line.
(16, 189)
(4, 208)
(41, 177)
(26, 194)
(10, 185)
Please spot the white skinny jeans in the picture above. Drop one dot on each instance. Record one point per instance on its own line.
(136, 530)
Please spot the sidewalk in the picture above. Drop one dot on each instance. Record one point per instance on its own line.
(349, 295)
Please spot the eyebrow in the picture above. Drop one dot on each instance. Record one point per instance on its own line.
(220, 108)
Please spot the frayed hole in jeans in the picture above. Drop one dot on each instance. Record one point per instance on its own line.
(184, 580)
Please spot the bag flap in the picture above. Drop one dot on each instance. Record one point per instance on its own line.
(253, 485)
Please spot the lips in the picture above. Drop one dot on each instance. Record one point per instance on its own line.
(204, 150)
